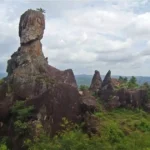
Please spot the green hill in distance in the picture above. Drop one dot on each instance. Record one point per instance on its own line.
(84, 79)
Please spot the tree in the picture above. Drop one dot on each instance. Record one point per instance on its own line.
(132, 83)
(41, 10)
(123, 79)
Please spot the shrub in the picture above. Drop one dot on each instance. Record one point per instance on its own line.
(83, 87)
(20, 113)
(3, 147)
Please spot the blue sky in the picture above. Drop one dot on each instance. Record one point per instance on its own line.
(85, 35)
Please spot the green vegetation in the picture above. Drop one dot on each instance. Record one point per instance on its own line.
(41, 10)
(21, 113)
(120, 129)
(3, 147)
(1, 81)
(123, 79)
(128, 84)
(83, 87)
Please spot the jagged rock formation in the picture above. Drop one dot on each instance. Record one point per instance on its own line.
(107, 83)
(96, 82)
(66, 76)
(52, 92)
(28, 69)
(127, 98)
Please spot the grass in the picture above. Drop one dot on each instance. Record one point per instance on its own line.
(120, 129)
(125, 129)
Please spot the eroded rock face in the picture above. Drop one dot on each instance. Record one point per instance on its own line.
(31, 26)
(30, 78)
(107, 84)
(88, 102)
(28, 69)
(132, 98)
(96, 82)
(61, 101)
(66, 76)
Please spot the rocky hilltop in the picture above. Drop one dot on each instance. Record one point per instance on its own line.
(52, 92)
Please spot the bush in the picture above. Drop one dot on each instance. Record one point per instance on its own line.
(3, 147)
(21, 113)
(83, 87)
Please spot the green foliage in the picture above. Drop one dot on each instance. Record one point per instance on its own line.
(21, 112)
(132, 83)
(121, 129)
(124, 83)
(1, 81)
(143, 125)
(83, 87)
(113, 133)
(41, 10)
(3, 147)
(123, 79)
(21, 127)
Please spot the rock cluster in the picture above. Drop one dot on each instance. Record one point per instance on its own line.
(114, 98)
(52, 92)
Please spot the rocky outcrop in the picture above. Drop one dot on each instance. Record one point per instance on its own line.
(28, 69)
(113, 102)
(52, 92)
(92, 124)
(107, 83)
(66, 76)
(88, 102)
(31, 26)
(96, 82)
(114, 98)
(115, 82)
(132, 98)
(61, 101)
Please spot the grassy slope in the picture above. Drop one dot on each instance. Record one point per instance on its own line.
(125, 129)
(120, 129)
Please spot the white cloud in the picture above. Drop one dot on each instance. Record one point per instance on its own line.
(86, 35)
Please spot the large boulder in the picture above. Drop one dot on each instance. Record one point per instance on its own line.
(88, 102)
(96, 82)
(31, 26)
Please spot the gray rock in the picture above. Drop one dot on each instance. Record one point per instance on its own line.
(31, 26)
(96, 82)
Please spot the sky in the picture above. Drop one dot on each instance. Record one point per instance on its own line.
(85, 35)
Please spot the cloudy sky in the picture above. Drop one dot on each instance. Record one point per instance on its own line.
(85, 35)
